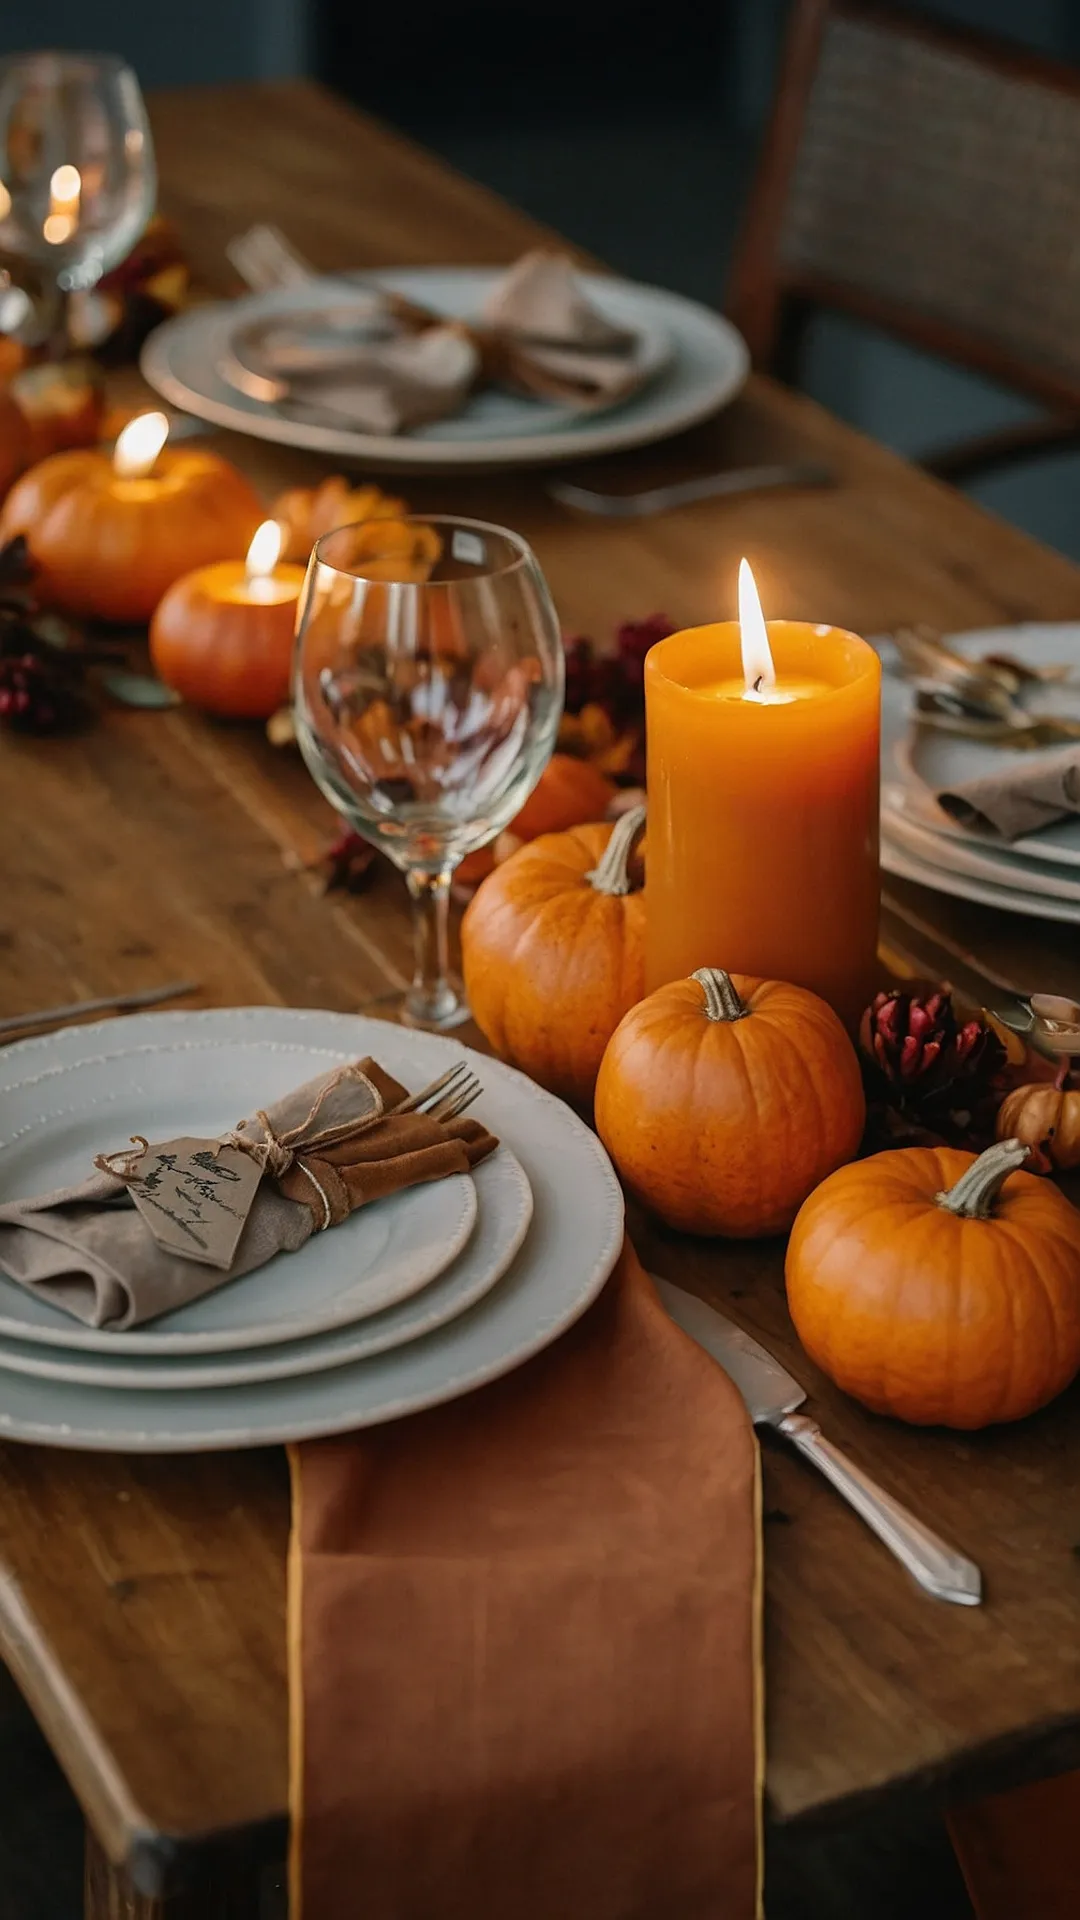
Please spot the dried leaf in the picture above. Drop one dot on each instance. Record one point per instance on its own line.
(138, 689)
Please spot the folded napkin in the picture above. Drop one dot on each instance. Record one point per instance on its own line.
(1029, 792)
(396, 367)
(524, 1660)
(87, 1250)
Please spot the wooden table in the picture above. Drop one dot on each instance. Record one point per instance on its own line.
(142, 1600)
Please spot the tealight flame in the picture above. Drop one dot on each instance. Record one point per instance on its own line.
(138, 445)
(5, 201)
(757, 661)
(264, 551)
(65, 193)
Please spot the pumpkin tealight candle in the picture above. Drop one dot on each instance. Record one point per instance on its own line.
(223, 635)
(763, 776)
(109, 532)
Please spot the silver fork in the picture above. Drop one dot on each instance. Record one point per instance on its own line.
(264, 259)
(681, 493)
(446, 1097)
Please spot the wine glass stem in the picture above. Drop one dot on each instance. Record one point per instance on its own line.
(58, 344)
(434, 999)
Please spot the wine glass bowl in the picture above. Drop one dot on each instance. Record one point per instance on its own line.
(77, 176)
(427, 690)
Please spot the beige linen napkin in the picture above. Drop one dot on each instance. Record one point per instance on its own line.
(87, 1250)
(524, 1649)
(537, 334)
(1029, 792)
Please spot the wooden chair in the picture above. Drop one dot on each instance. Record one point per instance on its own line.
(927, 181)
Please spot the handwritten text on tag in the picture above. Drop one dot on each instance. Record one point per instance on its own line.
(195, 1197)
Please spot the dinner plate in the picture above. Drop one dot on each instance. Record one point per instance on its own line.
(61, 1113)
(694, 361)
(921, 842)
(504, 1212)
(566, 1256)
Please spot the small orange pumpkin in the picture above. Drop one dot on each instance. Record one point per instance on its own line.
(568, 793)
(221, 652)
(553, 948)
(1046, 1117)
(724, 1100)
(107, 547)
(939, 1287)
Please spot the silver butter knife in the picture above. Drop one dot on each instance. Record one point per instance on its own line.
(683, 493)
(771, 1397)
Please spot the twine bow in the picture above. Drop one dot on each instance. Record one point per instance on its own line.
(275, 1153)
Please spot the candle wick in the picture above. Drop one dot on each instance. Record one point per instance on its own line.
(758, 683)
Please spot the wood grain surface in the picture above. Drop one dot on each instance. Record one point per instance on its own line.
(142, 1601)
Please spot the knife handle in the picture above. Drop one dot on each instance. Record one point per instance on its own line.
(946, 1574)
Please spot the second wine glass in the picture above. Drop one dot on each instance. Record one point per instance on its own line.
(427, 687)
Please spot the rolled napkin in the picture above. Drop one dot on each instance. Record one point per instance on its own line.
(538, 334)
(88, 1250)
(524, 1643)
(1028, 793)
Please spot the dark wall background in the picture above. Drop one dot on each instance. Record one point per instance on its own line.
(630, 125)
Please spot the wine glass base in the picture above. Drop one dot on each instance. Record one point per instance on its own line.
(436, 1012)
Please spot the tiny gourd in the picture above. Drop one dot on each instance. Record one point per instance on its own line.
(107, 546)
(552, 950)
(723, 1100)
(938, 1286)
(1045, 1116)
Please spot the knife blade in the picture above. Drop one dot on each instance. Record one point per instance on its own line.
(772, 1396)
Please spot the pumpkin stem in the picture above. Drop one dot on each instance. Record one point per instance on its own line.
(612, 875)
(976, 1190)
(721, 1000)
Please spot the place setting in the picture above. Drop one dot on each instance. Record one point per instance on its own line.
(981, 765)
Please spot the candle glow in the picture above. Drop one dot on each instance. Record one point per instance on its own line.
(265, 550)
(757, 661)
(65, 194)
(138, 445)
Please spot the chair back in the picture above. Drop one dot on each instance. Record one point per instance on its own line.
(927, 181)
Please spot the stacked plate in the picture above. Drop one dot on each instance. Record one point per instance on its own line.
(413, 1300)
(691, 362)
(1038, 875)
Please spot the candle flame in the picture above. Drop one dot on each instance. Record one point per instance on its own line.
(264, 551)
(758, 670)
(138, 446)
(5, 201)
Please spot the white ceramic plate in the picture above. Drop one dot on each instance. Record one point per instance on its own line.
(59, 1114)
(908, 866)
(504, 1213)
(567, 1255)
(1037, 872)
(695, 359)
(972, 855)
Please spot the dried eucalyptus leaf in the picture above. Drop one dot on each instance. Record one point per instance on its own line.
(138, 689)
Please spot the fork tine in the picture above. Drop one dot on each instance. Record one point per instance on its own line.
(447, 1081)
(455, 1103)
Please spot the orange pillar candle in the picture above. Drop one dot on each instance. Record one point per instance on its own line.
(763, 771)
(222, 637)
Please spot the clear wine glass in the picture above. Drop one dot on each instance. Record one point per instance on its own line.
(427, 687)
(77, 177)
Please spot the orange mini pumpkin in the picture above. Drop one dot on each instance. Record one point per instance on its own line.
(106, 546)
(220, 649)
(724, 1100)
(553, 952)
(939, 1287)
(568, 792)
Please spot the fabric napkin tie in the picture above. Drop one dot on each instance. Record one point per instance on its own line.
(385, 366)
(1029, 793)
(331, 1146)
